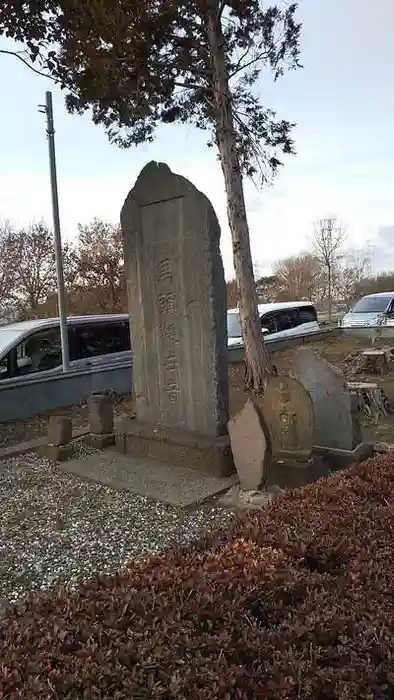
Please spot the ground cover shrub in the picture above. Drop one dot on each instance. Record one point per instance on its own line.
(296, 601)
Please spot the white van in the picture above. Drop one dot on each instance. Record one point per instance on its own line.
(34, 346)
(372, 312)
(278, 320)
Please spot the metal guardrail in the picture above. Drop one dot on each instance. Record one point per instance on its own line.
(35, 395)
(236, 354)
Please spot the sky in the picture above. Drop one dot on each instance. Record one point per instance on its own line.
(342, 102)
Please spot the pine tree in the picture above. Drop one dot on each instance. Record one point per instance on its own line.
(140, 63)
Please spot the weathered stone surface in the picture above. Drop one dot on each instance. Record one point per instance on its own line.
(161, 481)
(177, 304)
(287, 409)
(59, 430)
(101, 415)
(208, 454)
(294, 474)
(250, 444)
(101, 441)
(335, 418)
(57, 453)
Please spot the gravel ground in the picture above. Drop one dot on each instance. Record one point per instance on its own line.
(56, 528)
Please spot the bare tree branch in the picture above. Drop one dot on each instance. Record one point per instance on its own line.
(258, 57)
(299, 277)
(328, 238)
(16, 54)
(239, 65)
(100, 263)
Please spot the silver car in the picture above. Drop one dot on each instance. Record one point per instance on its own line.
(278, 320)
(32, 347)
(371, 315)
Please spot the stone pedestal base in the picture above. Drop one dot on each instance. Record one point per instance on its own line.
(288, 474)
(60, 430)
(100, 442)
(294, 455)
(180, 448)
(56, 453)
(343, 458)
(292, 473)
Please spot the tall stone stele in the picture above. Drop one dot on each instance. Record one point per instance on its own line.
(177, 306)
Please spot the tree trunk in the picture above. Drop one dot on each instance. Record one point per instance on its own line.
(257, 360)
(329, 292)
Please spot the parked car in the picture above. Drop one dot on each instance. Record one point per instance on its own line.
(34, 346)
(371, 314)
(278, 320)
(31, 347)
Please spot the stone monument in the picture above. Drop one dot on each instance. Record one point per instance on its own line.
(336, 424)
(178, 322)
(287, 408)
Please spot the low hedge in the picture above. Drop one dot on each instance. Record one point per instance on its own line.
(296, 601)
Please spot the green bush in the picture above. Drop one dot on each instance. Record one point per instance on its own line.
(296, 601)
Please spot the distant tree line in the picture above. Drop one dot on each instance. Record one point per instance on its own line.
(93, 270)
(93, 265)
(328, 274)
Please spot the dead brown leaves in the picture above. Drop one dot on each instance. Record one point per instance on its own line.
(294, 602)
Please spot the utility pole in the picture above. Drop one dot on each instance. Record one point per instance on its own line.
(61, 292)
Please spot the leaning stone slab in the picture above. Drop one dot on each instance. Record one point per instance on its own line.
(99, 442)
(383, 447)
(336, 423)
(251, 446)
(343, 458)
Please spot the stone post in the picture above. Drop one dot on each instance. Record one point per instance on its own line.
(58, 448)
(101, 421)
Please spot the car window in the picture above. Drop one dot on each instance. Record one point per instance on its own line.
(307, 314)
(390, 308)
(95, 339)
(4, 367)
(234, 329)
(269, 321)
(372, 304)
(39, 352)
(286, 319)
